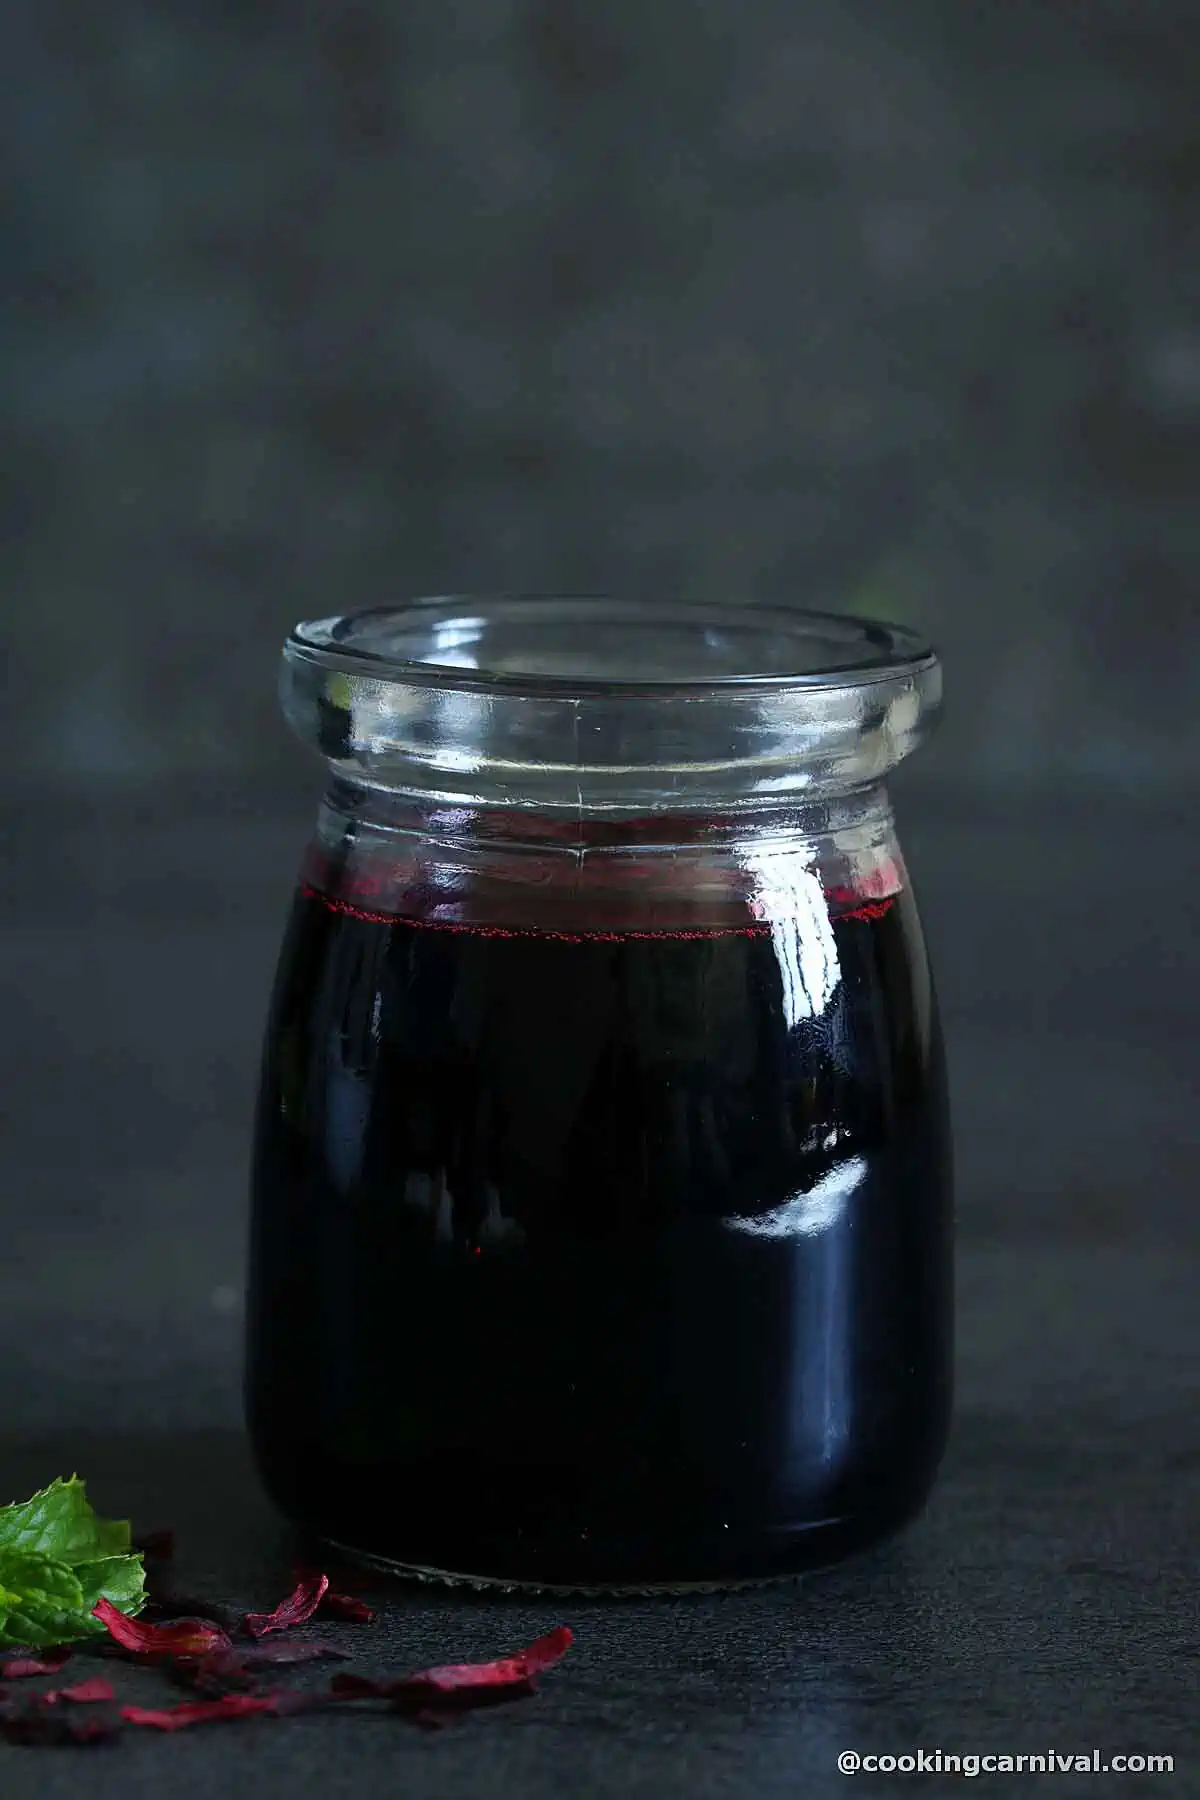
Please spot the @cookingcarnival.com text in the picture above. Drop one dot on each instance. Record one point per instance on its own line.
(999, 1762)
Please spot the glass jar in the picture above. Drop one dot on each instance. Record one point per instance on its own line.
(602, 1202)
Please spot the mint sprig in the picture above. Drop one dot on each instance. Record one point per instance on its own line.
(57, 1559)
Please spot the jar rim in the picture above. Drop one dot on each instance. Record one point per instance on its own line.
(590, 704)
(748, 648)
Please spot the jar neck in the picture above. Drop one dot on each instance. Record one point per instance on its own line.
(359, 810)
(378, 855)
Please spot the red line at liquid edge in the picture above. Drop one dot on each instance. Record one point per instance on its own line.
(870, 909)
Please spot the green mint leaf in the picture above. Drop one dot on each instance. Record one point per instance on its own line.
(57, 1559)
(120, 1579)
(41, 1600)
(59, 1522)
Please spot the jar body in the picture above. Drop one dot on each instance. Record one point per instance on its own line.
(602, 1197)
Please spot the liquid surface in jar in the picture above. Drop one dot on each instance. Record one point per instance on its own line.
(601, 1257)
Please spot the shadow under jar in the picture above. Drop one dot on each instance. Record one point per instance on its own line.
(602, 1208)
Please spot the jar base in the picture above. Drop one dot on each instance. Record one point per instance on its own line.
(392, 1518)
(668, 1569)
(605, 1590)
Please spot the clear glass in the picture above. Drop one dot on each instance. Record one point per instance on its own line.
(602, 1189)
(604, 704)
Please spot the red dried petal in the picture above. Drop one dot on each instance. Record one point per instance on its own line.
(204, 1679)
(40, 1662)
(297, 1609)
(82, 1694)
(504, 1671)
(261, 1656)
(361, 1687)
(52, 1725)
(90, 1727)
(42, 1719)
(203, 1712)
(214, 1676)
(179, 1637)
(166, 1602)
(340, 1602)
(345, 1606)
(414, 1696)
(547, 1650)
(462, 1683)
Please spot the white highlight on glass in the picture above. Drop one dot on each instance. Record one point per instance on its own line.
(790, 899)
(806, 1214)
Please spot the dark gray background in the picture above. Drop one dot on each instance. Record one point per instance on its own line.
(885, 306)
(895, 308)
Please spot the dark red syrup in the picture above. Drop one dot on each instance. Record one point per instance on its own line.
(598, 1256)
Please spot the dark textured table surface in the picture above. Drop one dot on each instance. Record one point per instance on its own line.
(1047, 1599)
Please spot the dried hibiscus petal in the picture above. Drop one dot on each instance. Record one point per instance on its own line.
(259, 1656)
(178, 1637)
(34, 1662)
(162, 1600)
(204, 1712)
(462, 1684)
(346, 1606)
(43, 1719)
(362, 1687)
(503, 1671)
(340, 1602)
(55, 1725)
(297, 1609)
(227, 1671)
(204, 1680)
(421, 1702)
(83, 1693)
